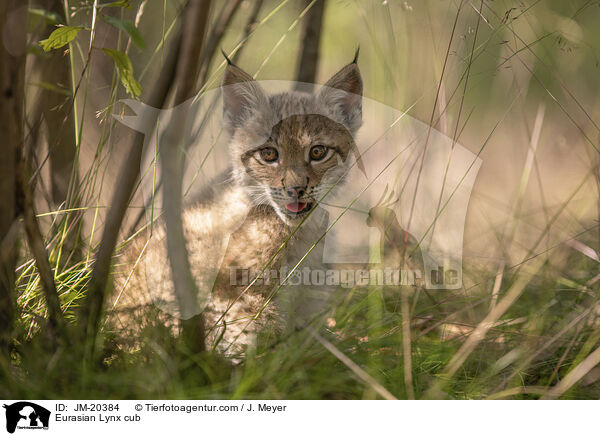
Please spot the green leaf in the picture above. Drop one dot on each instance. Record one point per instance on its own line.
(129, 27)
(117, 4)
(60, 37)
(125, 68)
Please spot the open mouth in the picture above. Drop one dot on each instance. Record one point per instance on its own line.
(297, 208)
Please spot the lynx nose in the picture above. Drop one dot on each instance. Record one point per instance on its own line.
(295, 192)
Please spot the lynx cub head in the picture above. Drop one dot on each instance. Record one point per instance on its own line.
(290, 149)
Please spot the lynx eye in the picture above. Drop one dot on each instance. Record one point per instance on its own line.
(268, 154)
(318, 152)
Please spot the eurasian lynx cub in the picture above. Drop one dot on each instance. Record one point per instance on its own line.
(287, 152)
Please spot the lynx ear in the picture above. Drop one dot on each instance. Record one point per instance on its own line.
(342, 95)
(242, 96)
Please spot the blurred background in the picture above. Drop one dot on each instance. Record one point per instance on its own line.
(531, 63)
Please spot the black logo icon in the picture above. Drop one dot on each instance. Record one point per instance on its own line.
(26, 415)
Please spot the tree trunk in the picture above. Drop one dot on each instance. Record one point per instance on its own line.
(310, 40)
(13, 20)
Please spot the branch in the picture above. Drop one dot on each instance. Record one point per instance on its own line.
(38, 248)
(129, 173)
(195, 19)
(216, 35)
(249, 27)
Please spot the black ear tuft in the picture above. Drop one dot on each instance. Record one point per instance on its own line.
(226, 57)
(355, 60)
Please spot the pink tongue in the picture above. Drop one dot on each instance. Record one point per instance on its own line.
(295, 207)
